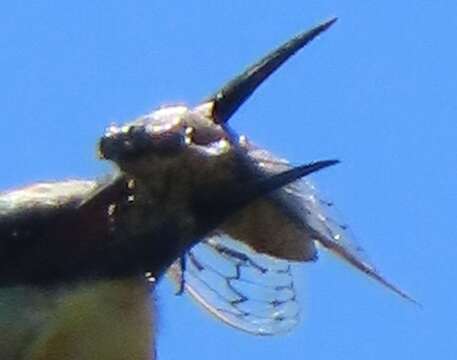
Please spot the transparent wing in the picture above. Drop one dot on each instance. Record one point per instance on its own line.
(244, 289)
(255, 292)
(318, 213)
(319, 217)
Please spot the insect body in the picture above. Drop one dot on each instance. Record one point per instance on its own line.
(190, 197)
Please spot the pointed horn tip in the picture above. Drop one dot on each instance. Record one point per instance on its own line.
(406, 297)
(409, 298)
(415, 302)
(326, 24)
(315, 166)
(326, 163)
(307, 169)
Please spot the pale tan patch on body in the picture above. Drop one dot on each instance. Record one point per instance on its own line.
(268, 230)
(109, 320)
(46, 195)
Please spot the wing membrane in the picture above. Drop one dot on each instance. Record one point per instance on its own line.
(255, 292)
(317, 215)
(244, 289)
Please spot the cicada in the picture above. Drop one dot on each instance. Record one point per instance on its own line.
(188, 197)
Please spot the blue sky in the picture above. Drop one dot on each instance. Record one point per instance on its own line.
(377, 91)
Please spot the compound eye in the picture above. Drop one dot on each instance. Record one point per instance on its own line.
(113, 143)
(129, 143)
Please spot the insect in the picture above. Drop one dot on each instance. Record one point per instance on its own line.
(191, 198)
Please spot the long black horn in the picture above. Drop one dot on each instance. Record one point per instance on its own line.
(230, 97)
(263, 187)
(217, 208)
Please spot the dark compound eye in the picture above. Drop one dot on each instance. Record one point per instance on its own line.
(130, 142)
